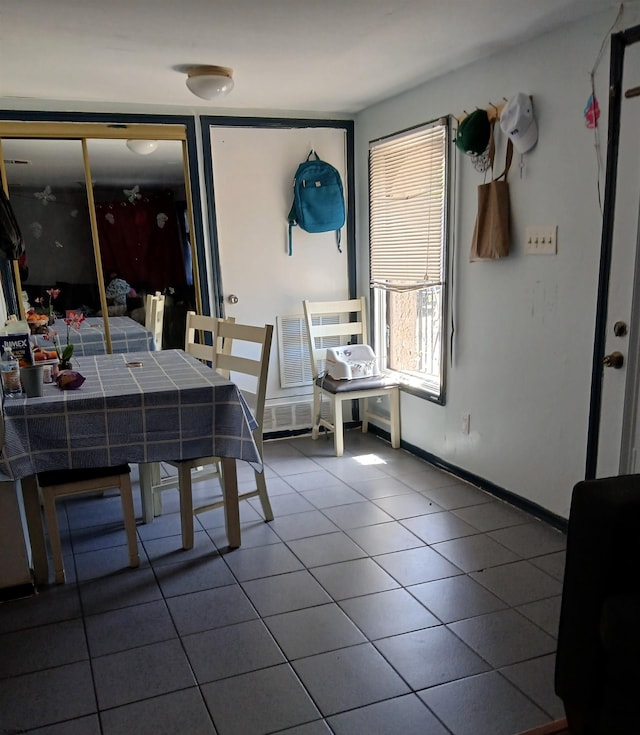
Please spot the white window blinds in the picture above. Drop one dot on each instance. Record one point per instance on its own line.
(407, 200)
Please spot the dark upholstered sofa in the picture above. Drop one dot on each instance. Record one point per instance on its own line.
(598, 658)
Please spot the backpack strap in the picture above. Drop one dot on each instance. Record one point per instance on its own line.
(292, 223)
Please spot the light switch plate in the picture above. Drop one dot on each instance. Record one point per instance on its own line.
(541, 240)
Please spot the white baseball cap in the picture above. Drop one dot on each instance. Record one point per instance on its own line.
(518, 123)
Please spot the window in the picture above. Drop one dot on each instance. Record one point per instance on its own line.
(408, 182)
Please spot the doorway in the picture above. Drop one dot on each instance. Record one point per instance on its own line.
(614, 436)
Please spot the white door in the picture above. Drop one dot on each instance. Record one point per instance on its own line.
(619, 434)
(253, 170)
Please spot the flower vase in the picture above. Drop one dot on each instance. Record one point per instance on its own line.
(52, 319)
(65, 365)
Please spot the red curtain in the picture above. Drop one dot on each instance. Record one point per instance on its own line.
(140, 241)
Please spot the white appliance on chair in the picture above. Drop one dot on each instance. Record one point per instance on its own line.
(351, 361)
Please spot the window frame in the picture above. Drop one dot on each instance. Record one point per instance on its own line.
(434, 391)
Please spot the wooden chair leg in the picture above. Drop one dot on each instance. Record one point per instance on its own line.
(317, 403)
(338, 431)
(394, 415)
(126, 497)
(231, 506)
(186, 504)
(51, 519)
(261, 484)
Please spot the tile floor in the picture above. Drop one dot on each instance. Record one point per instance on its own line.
(385, 597)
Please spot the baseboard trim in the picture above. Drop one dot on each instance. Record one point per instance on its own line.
(499, 492)
(17, 591)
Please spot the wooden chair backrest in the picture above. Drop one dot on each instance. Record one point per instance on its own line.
(350, 327)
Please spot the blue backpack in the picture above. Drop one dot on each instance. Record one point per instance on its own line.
(318, 199)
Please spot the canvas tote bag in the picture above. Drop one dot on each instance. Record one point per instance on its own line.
(491, 234)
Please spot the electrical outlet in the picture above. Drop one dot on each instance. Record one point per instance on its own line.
(466, 423)
(541, 240)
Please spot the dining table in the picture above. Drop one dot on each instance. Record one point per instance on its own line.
(140, 407)
(127, 335)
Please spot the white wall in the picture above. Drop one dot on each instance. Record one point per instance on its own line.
(521, 362)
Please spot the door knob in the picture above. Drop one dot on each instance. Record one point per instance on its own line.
(614, 360)
(232, 298)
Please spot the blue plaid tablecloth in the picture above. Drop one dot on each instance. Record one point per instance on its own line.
(170, 407)
(126, 336)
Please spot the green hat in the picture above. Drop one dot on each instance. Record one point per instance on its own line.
(474, 133)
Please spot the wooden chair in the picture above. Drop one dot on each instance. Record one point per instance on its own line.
(65, 483)
(227, 354)
(335, 323)
(154, 317)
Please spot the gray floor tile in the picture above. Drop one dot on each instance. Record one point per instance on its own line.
(353, 578)
(407, 715)
(407, 506)
(536, 679)
(234, 649)
(140, 673)
(432, 633)
(128, 627)
(504, 637)
(177, 712)
(491, 516)
(291, 465)
(251, 704)
(425, 658)
(42, 698)
(417, 565)
(94, 510)
(89, 725)
(518, 582)
(327, 549)
(457, 495)
(331, 497)
(456, 598)
(105, 562)
(93, 538)
(357, 515)
(301, 525)
(262, 562)
(285, 592)
(484, 709)
(388, 613)
(350, 470)
(168, 549)
(384, 538)
(317, 479)
(192, 576)
(254, 533)
(436, 527)
(313, 630)
(473, 553)
(215, 518)
(531, 539)
(212, 608)
(428, 477)
(167, 524)
(381, 487)
(39, 648)
(128, 587)
(284, 505)
(552, 564)
(319, 727)
(51, 605)
(544, 613)
(349, 678)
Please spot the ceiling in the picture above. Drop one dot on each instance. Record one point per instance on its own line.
(334, 56)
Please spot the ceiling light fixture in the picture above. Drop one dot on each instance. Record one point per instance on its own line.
(142, 147)
(208, 82)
